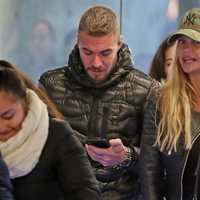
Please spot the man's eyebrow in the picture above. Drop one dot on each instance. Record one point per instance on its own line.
(85, 49)
(106, 51)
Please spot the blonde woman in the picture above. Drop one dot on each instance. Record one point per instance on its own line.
(170, 142)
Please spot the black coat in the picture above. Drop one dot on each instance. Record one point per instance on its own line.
(5, 184)
(113, 109)
(163, 173)
(63, 170)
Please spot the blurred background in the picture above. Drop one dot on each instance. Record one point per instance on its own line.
(38, 35)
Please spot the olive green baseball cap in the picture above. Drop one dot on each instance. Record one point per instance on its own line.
(189, 26)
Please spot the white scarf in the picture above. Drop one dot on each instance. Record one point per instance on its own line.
(22, 151)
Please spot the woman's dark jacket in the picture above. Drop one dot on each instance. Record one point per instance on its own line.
(113, 109)
(163, 173)
(5, 183)
(63, 170)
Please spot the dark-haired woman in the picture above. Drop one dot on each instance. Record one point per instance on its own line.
(44, 158)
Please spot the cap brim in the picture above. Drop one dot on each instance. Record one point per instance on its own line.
(195, 35)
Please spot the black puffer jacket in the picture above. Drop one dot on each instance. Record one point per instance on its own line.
(113, 109)
(62, 171)
(168, 173)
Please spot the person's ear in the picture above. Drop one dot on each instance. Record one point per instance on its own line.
(119, 41)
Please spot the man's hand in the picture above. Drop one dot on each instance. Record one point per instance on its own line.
(111, 156)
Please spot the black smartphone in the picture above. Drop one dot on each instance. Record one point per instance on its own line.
(98, 142)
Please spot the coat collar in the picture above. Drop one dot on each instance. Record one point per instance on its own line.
(123, 66)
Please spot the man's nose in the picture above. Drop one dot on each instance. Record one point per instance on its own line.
(96, 61)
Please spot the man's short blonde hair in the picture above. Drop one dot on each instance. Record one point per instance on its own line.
(99, 21)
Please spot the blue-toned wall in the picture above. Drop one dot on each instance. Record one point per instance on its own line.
(144, 25)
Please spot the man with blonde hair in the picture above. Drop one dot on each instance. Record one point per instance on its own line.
(103, 97)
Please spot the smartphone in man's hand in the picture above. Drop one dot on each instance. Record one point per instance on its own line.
(98, 142)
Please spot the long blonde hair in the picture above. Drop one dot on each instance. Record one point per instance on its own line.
(175, 101)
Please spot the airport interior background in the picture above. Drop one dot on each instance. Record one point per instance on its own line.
(35, 49)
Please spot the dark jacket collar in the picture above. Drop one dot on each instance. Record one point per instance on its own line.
(123, 66)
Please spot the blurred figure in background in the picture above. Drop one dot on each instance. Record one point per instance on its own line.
(162, 60)
(40, 50)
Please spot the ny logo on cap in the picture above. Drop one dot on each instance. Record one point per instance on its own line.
(190, 19)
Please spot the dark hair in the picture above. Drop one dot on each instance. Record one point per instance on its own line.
(15, 81)
(10, 82)
(157, 67)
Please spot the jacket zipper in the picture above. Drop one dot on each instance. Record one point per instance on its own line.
(104, 121)
(93, 118)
